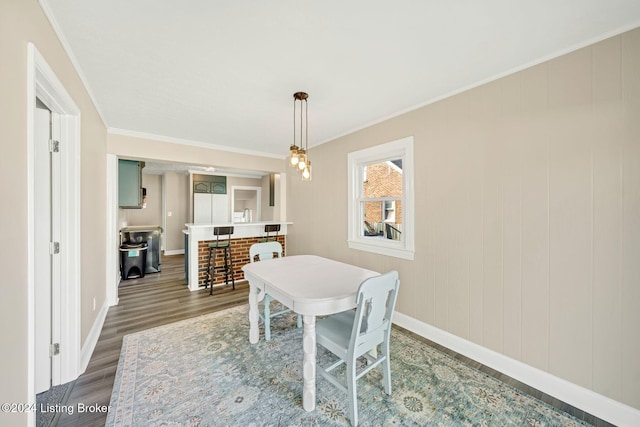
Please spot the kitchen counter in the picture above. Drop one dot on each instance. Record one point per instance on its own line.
(197, 234)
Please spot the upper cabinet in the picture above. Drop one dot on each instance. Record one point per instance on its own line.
(210, 184)
(219, 185)
(130, 184)
(201, 187)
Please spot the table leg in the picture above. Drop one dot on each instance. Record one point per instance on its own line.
(309, 363)
(254, 331)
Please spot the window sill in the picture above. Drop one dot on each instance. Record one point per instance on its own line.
(396, 252)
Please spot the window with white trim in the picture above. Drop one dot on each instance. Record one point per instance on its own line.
(381, 217)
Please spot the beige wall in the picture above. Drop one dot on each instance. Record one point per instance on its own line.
(149, 149)
(527, 215)
(22, 22)
(177, 202)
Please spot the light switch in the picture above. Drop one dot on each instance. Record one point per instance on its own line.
(169, 213)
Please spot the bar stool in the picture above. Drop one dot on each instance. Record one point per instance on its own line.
(227, 267)
(270, 228)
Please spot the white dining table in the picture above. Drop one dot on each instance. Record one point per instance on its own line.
(311, 286)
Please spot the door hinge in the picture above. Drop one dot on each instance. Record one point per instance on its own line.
(54, 349)
(54, 146)
(54, 248)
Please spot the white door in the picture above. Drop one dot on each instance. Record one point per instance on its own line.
(47, 263)
(42, 234)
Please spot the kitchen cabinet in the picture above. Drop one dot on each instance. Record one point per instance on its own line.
(201, 187)
(130, 184)
(210, 184)
(209, 208)
(219, 187)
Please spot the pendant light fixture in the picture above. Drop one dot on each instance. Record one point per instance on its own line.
(299, 158)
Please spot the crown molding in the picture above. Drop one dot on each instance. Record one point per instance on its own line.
(200, 144)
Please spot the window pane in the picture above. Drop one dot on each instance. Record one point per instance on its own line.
(373, 218)
(382, 179)
(380, 219)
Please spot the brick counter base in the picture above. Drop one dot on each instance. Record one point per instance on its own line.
(239, 254)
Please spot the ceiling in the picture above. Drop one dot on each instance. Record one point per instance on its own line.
(223, 73)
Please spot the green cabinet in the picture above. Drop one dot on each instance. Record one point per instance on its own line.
(210, 184)
(130, 184)
(200, 187)
(219, 185)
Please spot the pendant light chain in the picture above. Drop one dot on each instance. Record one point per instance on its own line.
(299, 156)
(306, 121)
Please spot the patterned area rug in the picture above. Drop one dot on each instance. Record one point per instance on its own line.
(56, 395)
(204, 372)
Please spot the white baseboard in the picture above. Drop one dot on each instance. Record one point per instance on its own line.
(587, 400)
(174, 252)
(92, 339)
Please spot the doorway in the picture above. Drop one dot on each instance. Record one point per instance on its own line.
(53, 206)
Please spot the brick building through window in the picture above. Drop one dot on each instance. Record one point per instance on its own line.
(382, 184)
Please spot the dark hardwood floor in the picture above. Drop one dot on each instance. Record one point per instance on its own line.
(157, 299)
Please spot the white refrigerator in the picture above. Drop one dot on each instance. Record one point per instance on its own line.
(210, 208)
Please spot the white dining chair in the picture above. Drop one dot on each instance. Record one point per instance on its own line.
(355, 333)
(260, 252)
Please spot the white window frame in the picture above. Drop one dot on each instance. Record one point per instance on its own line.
(405, 247)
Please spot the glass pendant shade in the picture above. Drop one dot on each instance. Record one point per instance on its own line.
(306, 173)
(302, 160)
(293, 160)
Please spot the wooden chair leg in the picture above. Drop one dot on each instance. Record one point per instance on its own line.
(386, 368)
(351, 393)
(267, 317)
(212, 269)
(207, 280)
(233, 279)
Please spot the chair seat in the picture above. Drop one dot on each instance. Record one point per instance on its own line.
(224, 244)
(334, 332)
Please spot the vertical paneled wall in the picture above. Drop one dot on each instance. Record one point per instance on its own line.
(528, 215)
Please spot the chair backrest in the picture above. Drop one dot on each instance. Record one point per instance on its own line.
(223, 231)
(265, 250)
(272, 228)
(376, 303)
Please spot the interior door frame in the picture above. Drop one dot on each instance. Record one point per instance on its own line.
(42, 83)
